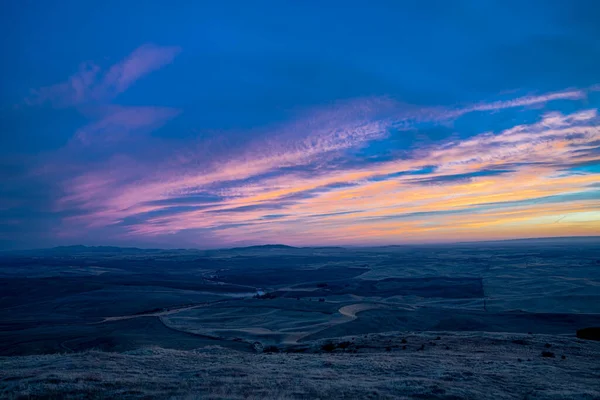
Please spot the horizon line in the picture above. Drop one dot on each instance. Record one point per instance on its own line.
(583, 237)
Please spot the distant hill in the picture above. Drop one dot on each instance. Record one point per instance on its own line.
(100, 249)
(541, 240)
(82, 249)
(97, 249)
(264, 247)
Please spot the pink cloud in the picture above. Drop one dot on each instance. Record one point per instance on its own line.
(76, 90)
(118, 122)
(142, 61)
(129, 188)
(529, 101)
(90, 84)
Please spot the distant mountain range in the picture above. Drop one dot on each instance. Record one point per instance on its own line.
(74, 249)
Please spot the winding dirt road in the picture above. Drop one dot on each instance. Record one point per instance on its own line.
(347, 312)
(154, 314)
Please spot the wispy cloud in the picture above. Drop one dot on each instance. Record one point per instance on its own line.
(246, 134)
(91, 84)
(142, 61)
(528, 101)
(118, 122)
(338, 204)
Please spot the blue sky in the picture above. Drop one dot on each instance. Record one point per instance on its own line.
(202, 124)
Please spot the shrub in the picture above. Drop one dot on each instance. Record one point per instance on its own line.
(592, 333)
(547, 345)
(271, 349)
(265, 296)
(519, 341)
(344, 345)
(403, 341)
(328, 347)
(548, 354)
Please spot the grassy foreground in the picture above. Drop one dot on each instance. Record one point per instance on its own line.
(385, 366)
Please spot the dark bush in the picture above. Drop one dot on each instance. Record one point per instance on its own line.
(547, 345)
(344, 345)
(388, 348)
(403, 341)
(592, 333)
(519, 341)
(297, 350)
(328, 347)
(265, 296)
(322, 285)
(271, 349)
(548, 354)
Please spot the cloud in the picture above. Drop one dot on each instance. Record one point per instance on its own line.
(336, 130)
(309, 171)
(76, 90)
(142, 61)
(467, 176)
(92, 85)
(118, 122)
(528, 101)
(441, 114)
(196, 199)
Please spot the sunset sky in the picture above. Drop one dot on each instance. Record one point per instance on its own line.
(215, 124)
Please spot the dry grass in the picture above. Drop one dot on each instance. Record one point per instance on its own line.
(459, 366)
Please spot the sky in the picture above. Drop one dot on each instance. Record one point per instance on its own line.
(196, 124)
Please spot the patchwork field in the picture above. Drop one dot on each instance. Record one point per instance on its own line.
(299, 302)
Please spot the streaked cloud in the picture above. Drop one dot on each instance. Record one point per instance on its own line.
(92, 84)
(514, 169)
(246, 131)
(118, 122)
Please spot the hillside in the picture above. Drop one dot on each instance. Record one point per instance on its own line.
(442, 365)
